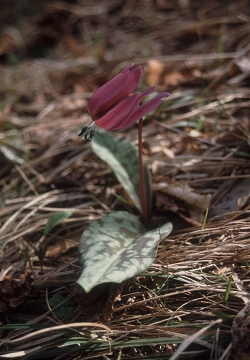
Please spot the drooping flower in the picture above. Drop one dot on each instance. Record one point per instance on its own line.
(114, 106)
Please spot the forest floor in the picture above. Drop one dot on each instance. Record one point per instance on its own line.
(53, 56)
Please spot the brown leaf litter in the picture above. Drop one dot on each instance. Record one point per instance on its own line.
(197, 148)
(15, 292)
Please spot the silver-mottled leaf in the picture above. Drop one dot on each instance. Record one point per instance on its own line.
(116, 248)
(122, 157)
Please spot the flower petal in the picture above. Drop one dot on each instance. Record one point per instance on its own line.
(119, 113)
(121, 85)
(142, 110)
(127, 121)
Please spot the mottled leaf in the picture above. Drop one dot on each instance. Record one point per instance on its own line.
(116, 248)
(122, 157)
(57, 219)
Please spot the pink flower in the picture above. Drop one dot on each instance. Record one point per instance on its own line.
(114, 106)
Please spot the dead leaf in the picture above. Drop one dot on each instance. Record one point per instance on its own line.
(241, 334)
(154, 70)
(185, 193)
(234, 199)
(60, 247)
(173, 78)
(15, 292)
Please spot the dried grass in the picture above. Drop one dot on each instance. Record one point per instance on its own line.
(199, 138)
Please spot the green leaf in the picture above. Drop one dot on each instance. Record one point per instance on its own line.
(62, 309)
(57, 219)
(13, 148)
(226, 318)
(56, 299)
(122, 157)
(227, 293)
(116, 248)
(10, 156)
(23, 326)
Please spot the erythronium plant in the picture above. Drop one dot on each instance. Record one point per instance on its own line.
(116, 247)
(114, 107)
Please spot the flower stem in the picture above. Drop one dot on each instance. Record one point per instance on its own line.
(142, 176)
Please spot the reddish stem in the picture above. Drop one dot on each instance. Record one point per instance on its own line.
(142, 176)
